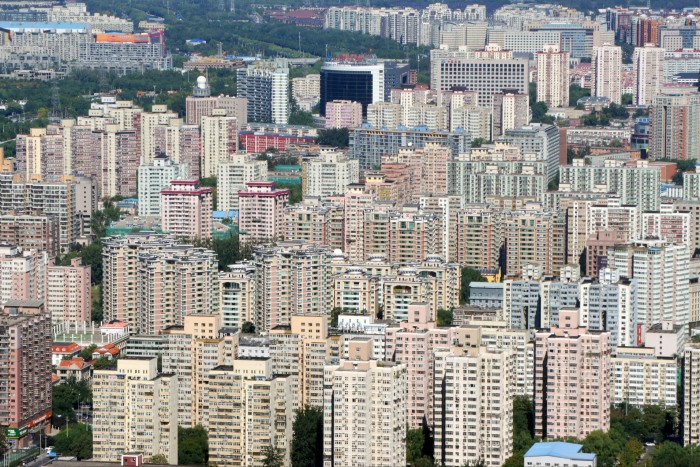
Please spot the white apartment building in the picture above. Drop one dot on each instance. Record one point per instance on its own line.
(661, 272)
(153, 178)
(385, 115)
(186, 209)
(329, 174)
(473, 119)
(690, 414)
(237, 295)
(648, 64)
(233, 175)
(607, 72)
(142, 403)
(641, 378)
(473, 405)
(364, 408)
(219, 141)
(553, 76)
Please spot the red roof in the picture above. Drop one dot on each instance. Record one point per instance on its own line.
(65, 348)
(107, 349)
(77, 361)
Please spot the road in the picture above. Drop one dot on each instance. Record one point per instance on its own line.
(43, 459)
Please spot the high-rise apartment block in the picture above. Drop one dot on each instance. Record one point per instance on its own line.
(511, 109)
(673, 120)
(186, 209)
(219, 141)
(249, 410)
(306, 91)
(25, 365)
(22, 274)
(473, 392)
(572, 379)
(265, 84)
(238, 295)
(30, 232)
(690, 412)
(607, 72)
(143, 403)
(68, 292)
(539, 139)
(155, 177)
(343, 114)
(640, 378)
(413, 344)
(233, 175)
(329, 174)
(138, 267)
(364, 419)
(648, 63)
(261, 211)
(553, 76)
(180, 142)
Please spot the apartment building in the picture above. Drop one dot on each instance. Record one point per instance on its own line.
(143, 403)
(265, 84)
(300, 350)
(22, 274)
(661, 272)
(261, 211)
(648, 64)
(606, 65)
(219, 140)
(343, 114)
(186, 209)
(68, 292)
(413, 343)
(182, 143)
(25, 366)
(689, 419)
(202, 104)
(139, 266)
(364, 419)
(473, 394)
(238, 295)
(306, 91)
(155, 177)
(572, 384)
(315, 221)
(553, 76)
(511, 109)
(233, 175)
(328, 174)
(672, 119)
(292, 278)
(249, 410)
(30, 232)
(640, 378)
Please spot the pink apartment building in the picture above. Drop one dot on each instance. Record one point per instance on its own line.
(68, 292)
(413, 343)
(25, 365)
(572, 379)
(21, 274)
(186, 209)
(261, 211)
(343, 114)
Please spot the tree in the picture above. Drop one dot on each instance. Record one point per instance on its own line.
(248, 328)
(523, 423)
(3, 439)
(192, 445)
(627, 99)
(631, 453)
(444, 317)
(271, 457)
(86, 353)
(307, 438)
(300, 117)
(295, 193)
(516, 460)
(104, 363)
(67, 396)
(76, 440)
(336, 137)
(415, 441)
(669, 454)
(477, 142)
(158, 459)
(576, 92)
(604, 446)
(469, 275)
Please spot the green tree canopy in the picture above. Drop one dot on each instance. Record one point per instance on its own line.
(336, 137)
(192, 445)
(307, 440)
(469, 275)
(76, 440)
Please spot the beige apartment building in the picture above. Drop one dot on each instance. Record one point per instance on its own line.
(606, 65)
(233, 175)
(135, 410)
(364, 404)
(68, 292)
(249, 409)
(219, 140)
(473, 415)
(553, 76)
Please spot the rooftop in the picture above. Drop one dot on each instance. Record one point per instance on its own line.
(559, 449)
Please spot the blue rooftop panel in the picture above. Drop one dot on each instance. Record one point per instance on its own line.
(559, 449)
